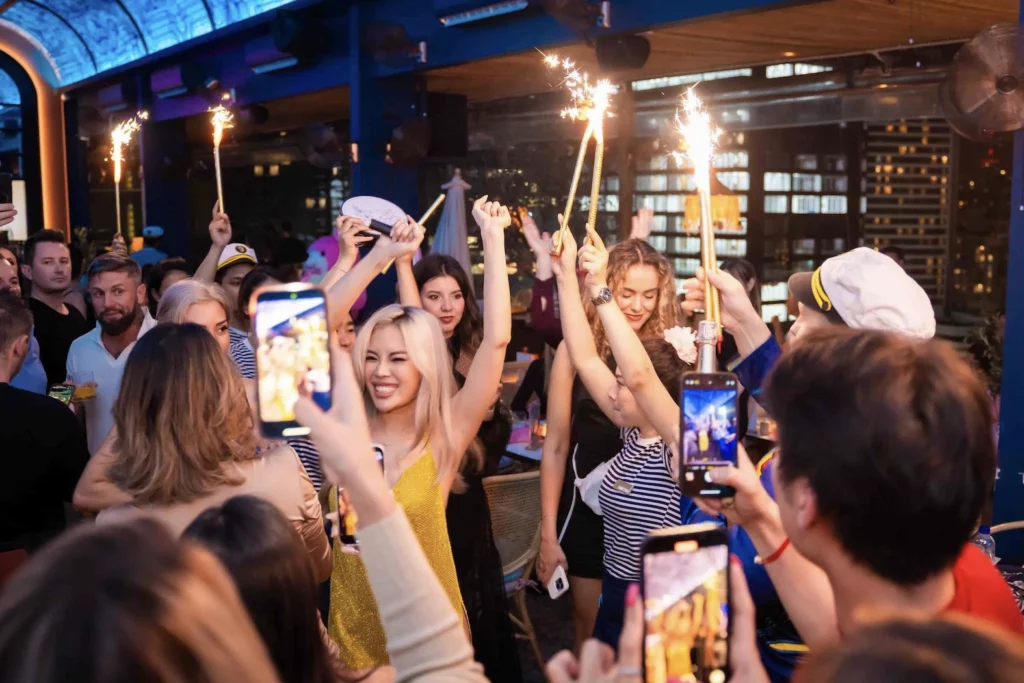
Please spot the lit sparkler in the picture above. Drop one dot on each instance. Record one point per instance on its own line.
(589, 102)
(221, 119)
(119, 138)
(698, 145)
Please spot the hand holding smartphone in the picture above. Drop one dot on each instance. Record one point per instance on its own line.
(708, 425)
(347, 517)
(292, 355)
(685, 581)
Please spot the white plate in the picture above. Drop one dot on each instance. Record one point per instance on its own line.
(368, 208)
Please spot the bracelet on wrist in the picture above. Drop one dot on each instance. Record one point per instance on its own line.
(774, 556)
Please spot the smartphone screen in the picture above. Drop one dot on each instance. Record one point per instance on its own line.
(62, 392)
(710, 404)
(686, 605)
(292, 356)
(347, 517)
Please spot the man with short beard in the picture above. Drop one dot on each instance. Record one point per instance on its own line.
(47, 265)
(119, 300)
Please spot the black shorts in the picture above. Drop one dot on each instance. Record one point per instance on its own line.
(583, 541)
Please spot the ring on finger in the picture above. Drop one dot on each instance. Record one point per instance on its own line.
(728, 502)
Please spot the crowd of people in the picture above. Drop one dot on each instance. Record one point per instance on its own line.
(150, 531)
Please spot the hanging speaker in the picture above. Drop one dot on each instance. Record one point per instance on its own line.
(623, 52)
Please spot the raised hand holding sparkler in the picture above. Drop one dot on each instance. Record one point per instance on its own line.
(221, 118)
(698, 145)
(590, 102)
(119, 139)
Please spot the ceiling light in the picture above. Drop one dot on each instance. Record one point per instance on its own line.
(487, 12)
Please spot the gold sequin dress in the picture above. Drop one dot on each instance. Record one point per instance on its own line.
(354, 621)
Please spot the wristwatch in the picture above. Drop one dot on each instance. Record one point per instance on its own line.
(604, 295)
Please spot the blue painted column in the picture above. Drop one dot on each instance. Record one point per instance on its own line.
(164, 162)
(378, 105)
(1009, 501)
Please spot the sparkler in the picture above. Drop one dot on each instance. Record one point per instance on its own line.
(698, 142)
(119, 138)
(221, 119)
(423, 219)
(590, 102)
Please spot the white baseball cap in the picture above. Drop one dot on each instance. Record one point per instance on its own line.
(236, 252)
(867, 290)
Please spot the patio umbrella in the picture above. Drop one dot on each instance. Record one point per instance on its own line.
(451, 236)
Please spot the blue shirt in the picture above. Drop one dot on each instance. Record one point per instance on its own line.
(32, 376)
(148, 256)
(777, 639)
(753, 370)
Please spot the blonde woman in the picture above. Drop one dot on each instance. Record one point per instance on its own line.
(185, 441)
(424, 427)
(580, 436)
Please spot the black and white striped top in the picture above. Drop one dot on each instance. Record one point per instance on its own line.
(241, 352)
(309, 456)
(638, 495)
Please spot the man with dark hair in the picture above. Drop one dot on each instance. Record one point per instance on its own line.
(32, 376)
(119, 300)
(43, 446)
(886, 461)
(47, 265)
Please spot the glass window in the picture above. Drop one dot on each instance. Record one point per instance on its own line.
(803, 182)
(806, 203)
(803, 247)
(776, 182)
(658, 242)
(770, 311)
(737, 181)
(833, 246)
(611, 183)
(685, 267)
(835, 162)
(730, 248)
(774, 291)
(659, 163)
(732, 159)
(779, 70)
(651, 183)
(833, 203)
(834, 184)
(807, 162)
(777, 203)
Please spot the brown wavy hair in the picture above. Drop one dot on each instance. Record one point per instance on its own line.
(621, 258)
(181, 417)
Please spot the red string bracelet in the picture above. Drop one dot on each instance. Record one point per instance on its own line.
(774, 556)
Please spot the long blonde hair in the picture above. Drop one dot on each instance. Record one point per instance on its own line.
(621, 258)
(181, 417)
(181, 296)
(428, 352)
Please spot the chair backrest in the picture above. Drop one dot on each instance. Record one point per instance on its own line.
(514, 500)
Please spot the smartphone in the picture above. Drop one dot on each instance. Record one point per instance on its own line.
(6, 188)
(292, 355)
(62, 392)
(381, 228)
(347, 518)
(685, 583)
(559, 583)
(710, 403)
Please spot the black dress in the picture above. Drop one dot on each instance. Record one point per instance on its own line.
(477, 563)
(594, 439)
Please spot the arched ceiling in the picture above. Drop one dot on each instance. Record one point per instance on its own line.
(87, 37)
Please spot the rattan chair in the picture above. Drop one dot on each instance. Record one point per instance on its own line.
(514, 501)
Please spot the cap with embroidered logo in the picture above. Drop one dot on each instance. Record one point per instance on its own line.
(867, 290)
(236, 252)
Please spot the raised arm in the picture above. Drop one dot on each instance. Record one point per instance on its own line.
(405, 239)
(579, 340)
(349, 241)
(408, 292)
(220, 237)
(473, 402)
(635, 366)
(552, 462)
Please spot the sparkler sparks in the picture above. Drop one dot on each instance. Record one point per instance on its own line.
(119, 139)
(698, 142)
(221, 119)
(589, 102)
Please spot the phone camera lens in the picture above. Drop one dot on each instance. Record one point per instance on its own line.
(559, 584)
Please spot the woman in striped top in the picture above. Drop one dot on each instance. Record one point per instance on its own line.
(638, 491)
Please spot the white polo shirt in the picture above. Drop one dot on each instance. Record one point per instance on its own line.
(88, 354)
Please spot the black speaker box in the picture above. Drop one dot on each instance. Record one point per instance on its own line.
(622, 53)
